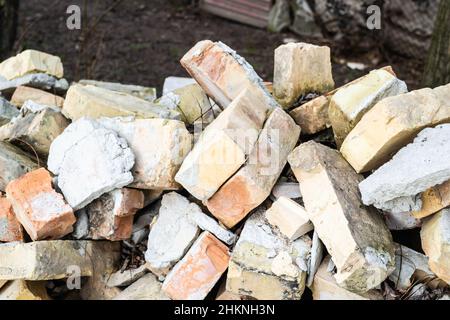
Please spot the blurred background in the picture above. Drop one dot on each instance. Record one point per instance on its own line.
(142, 41)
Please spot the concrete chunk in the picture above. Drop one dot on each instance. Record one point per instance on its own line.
(10, 228)
(13, 164)
(301, 68)
(223, 146)
(392, 123)
(159, 147)
(31, 61)
(266, 265)
(96, 102)
(23, 94)
(146, 288)
(36, 125)
(196, 274)
(351, 102)
(290, 217)
(40, 209)
(145, 93)
(172, 234)
(325, 287)
(252, 184)
(414, 169)
(312, 116)
(435, 235)
(89, 161)
(111, 215)
(46, 260)
(7, 111)
(222, 73)
(356, 237)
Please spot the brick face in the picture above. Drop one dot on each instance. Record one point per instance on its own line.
(39, 208)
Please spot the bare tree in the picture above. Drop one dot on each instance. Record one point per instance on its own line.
(8, 24)
(437, 68)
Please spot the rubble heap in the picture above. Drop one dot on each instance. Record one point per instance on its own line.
(221, 188)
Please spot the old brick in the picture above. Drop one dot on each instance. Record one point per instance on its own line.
(395, 186)
(36, 126)
(31, 61)
(22, 94)
(290, 217)
(145, 93)
(352, 101)
(40, 209)
(111, 215)
(252, 184)
(96, 102)
(223, 146)
(46, 260)
(159, 147)
(433, 200)
(356, 237)
(312, 116)
(392, 123)
(301, 68)
(222, 73)
(435, 235)
(196, 274)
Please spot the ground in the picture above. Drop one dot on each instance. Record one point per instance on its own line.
(141, 42)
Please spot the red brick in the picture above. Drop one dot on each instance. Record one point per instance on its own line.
(196, 274)
(40, 209)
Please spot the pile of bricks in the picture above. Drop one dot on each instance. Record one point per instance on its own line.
(224, 187)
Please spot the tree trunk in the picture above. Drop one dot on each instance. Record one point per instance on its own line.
(8, 24)
(437, 68)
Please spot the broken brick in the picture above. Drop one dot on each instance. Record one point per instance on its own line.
(393, 123)
(300, 68)
(252, 184)
(196, 274)
(40, 209)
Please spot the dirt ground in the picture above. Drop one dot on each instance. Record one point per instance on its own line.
(141, 42)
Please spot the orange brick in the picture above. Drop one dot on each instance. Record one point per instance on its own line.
(40, 209)
(111, 216)
(10, 227)
(196, 274)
